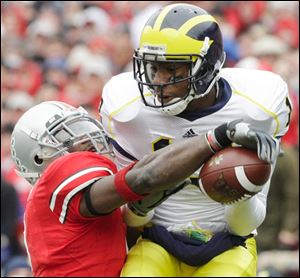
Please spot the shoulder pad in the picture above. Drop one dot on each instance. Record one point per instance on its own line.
(121, 98)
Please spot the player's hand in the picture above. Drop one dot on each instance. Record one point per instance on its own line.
(142, 207)
(241, 133)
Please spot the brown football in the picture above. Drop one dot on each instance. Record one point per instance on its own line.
(233, 174)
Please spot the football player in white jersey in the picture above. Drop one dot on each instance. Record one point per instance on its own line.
(178, 90)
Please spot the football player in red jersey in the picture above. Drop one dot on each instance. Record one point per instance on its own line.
(73, 218)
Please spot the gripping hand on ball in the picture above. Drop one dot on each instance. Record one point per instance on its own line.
(241, 133)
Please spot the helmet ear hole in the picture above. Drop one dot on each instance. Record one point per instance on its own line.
(38, 160)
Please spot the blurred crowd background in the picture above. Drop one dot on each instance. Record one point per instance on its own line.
(57, 50)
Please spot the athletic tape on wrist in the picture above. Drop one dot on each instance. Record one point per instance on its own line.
(212, 142)
(123, 188)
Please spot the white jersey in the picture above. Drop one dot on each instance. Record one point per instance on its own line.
(257, 97)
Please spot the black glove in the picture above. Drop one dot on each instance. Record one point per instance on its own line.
(143, 206)
(241, 133)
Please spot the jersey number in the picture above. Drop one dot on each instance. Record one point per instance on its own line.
(160, 143)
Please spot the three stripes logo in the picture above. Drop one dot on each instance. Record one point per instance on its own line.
(190, 133)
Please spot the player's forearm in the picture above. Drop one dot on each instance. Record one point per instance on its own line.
(169, 166)
(160, 170)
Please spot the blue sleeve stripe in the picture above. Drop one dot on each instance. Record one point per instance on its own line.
(121, 150)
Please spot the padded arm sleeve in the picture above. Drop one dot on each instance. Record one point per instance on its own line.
(244, 217)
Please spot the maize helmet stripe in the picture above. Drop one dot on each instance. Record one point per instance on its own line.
(165, 38)
(162, 30)
(162, 16)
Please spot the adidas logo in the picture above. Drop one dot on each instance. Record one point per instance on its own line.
(189, 133)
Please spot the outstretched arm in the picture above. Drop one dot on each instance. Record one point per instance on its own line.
(169, 166)
(155, 172)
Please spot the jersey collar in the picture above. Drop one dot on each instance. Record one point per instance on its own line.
(224, 96)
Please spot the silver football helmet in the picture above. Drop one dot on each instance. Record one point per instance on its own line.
(49, 130)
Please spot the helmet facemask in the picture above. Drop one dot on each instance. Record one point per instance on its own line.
(201, 76)
(50, 130)
(71, 132)
(143, 74)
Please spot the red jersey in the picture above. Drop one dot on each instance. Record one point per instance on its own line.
(61, 242)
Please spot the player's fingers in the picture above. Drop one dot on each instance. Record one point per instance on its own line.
(259, 148)
(272, 149)
(263, 148)
(275, 149)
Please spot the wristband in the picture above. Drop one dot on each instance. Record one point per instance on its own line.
(217, 139)
(211, 141)
(123, 189)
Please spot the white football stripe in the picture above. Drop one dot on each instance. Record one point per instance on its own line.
(244, 181)
(202, 189)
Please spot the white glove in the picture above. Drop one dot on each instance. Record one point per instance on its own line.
(241, 133)
(268, 147)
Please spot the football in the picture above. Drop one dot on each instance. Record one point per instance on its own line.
(233, 174)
